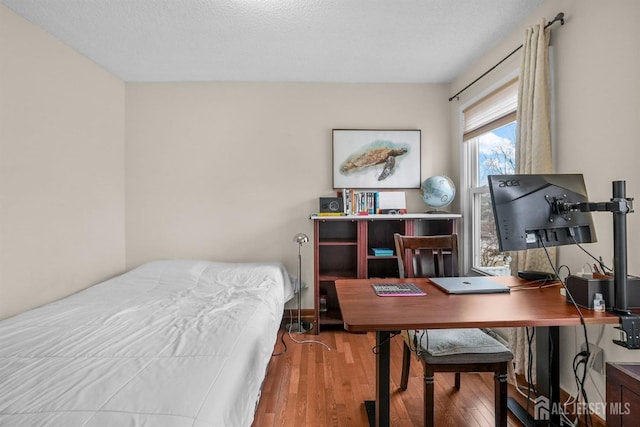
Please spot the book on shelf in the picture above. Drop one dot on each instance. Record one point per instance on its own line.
(330, 214)
(382, 251)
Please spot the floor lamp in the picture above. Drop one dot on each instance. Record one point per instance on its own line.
(299, 238)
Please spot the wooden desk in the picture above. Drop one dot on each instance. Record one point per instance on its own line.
(364, 311)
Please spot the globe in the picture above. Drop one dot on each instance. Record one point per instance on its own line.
(438, 191)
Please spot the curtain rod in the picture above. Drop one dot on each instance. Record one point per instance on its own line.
(559, 17)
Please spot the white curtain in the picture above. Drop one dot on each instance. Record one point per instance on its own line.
(533, 155)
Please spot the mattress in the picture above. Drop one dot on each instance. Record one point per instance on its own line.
(170, 343)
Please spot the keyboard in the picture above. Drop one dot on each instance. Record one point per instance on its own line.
(397, 290)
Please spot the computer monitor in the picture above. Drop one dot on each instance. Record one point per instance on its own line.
(529, 211)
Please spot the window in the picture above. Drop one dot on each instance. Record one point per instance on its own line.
(490, 145)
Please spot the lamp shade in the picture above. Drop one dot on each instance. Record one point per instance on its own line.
(300, 238)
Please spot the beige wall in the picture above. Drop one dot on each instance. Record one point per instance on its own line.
(61, 169)
(232, 171)
(597, 64)
(218, 171)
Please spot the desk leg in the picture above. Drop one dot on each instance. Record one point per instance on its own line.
(383, 385)
(548, 373)
(547, 408)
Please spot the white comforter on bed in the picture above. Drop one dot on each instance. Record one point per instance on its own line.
(170, 343)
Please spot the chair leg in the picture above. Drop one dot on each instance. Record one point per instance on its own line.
(429, 398)
(406, 363)
(500, 397)
(457, 381)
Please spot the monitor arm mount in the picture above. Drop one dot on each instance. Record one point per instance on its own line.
(619, 206)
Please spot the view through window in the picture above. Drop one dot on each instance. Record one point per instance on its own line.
(492, 153)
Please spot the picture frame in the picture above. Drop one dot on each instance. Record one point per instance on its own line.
(368, 158)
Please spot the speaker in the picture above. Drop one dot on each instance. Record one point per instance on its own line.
(331, 205)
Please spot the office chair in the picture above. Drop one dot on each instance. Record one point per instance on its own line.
(472, 350)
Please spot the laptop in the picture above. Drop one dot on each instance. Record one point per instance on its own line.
(469, 285)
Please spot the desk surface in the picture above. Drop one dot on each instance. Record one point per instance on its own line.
(364, 311)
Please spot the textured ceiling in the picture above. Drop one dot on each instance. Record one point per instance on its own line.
(280, 40)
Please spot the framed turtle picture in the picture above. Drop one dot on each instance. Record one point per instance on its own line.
(376, 158)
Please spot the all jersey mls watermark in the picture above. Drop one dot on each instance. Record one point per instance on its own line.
(544, 409)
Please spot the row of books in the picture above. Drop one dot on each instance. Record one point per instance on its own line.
(357, 202)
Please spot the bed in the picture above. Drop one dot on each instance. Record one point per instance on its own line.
(170, 343)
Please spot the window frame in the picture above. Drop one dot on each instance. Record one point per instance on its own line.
(470, 197)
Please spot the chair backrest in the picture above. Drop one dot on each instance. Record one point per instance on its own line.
(427, 256)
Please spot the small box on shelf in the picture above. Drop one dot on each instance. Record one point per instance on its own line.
(382, 251)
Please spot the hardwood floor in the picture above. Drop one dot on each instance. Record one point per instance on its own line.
(309, 385)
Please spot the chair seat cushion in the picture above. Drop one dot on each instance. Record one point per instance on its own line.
(444, 342)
